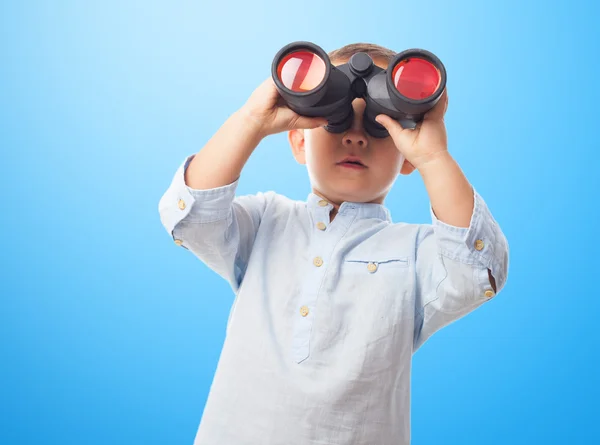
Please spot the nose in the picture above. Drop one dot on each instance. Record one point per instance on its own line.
(355, 136)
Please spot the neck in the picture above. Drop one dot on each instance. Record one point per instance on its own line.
(333, 213)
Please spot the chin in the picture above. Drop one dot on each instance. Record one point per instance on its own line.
(342, 194)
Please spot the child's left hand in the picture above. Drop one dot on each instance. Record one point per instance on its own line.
(427, 141)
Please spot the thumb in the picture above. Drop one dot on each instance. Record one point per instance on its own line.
(391, 125)
(402, 137)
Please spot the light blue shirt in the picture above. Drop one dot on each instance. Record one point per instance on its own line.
(326, 315)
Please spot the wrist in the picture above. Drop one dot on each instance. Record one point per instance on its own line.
(252, 122)
(433, 162)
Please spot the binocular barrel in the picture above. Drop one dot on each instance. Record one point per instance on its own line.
(312, 86)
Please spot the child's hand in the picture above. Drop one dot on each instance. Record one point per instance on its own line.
(427, 141)
(266, 108)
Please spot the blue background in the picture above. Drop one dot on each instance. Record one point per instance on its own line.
(110, 333)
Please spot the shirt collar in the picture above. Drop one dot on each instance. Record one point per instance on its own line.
(361, 209)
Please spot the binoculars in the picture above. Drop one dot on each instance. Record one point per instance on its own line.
(312, 86)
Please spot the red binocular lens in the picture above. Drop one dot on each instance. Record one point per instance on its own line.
(416, 78)
(301, 71)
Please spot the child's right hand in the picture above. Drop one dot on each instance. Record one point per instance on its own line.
(266, 108)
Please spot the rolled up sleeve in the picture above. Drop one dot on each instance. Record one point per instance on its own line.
(179, 201)
(214, 224)
(452, 265)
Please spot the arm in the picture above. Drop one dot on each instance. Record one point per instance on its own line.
(200, 210)
(450, 194)
(453, 269)
(462, 258)
(221, 160)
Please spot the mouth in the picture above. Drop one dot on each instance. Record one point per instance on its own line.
(352, 162)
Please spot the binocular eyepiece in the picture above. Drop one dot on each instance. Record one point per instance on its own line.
(312, 86)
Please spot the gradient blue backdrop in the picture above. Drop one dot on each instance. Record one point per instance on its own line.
(110, 334)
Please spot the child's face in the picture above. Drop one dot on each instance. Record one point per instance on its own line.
(322, 152)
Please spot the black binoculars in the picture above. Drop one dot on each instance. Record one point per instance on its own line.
(312, 86)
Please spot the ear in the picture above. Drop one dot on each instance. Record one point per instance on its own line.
(407, 168)
(296, 139)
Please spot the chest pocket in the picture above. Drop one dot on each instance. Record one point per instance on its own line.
(374, 296)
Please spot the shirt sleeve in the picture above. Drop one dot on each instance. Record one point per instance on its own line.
(452, 266)
(215, 225)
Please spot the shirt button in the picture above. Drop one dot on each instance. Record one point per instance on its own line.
(321, 226)
(479, 244)
(304, 311)
(323, 203)
(178, 242)
(181, 204)
(372, 267)
(489, 293)
(318, 261)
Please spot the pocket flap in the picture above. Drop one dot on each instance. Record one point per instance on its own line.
(377, 258)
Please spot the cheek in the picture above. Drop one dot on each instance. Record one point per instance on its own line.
(318, 145)
(389, 157)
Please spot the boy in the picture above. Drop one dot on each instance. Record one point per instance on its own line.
(332, 298)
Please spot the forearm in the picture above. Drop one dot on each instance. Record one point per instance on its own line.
(450, 193)
(221, 160)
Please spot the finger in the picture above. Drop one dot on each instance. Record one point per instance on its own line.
(439, 110)
(307, 123)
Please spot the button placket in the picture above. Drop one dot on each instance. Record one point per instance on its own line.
(322, 215)
(320, 250)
